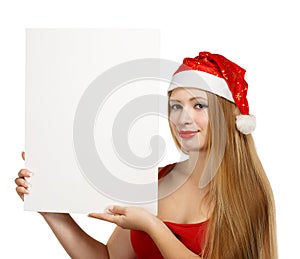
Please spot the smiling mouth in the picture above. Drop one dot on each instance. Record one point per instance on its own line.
(188, 133)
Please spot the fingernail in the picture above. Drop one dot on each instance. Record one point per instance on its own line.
(109, 209)
(27, 184)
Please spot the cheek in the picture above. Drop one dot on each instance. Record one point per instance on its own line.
(174, 129)
(173, 117)
(202, 121)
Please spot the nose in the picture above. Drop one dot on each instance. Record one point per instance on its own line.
(185, 117)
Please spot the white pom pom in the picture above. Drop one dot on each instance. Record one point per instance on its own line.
(246, 123)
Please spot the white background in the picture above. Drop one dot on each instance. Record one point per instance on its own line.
(261, 36)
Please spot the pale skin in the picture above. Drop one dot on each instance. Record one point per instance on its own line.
(187, 113)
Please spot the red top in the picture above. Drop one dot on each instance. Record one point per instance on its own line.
(191, 235)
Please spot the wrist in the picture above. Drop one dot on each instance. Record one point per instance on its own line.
(154, 224)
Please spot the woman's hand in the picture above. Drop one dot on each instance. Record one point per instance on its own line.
(21, 182)
(128, 217)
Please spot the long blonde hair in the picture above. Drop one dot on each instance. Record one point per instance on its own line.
(242, 222)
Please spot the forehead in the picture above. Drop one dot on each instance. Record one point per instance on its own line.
(187, 92)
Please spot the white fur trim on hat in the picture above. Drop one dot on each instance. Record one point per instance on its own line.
(201, 80)
(246, 123)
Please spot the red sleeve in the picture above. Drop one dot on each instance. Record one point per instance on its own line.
(165, 170)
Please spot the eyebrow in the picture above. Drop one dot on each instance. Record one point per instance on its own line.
(191, 99)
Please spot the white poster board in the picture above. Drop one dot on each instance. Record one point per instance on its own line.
(83, 154)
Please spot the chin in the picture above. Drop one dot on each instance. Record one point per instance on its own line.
(187, 150)
(195, 148)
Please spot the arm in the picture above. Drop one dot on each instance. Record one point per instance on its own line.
(139, 219)
(79, 244)
(75, 241)
(167, 243)
(119, 244)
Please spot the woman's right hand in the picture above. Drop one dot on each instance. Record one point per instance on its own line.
(21, 182)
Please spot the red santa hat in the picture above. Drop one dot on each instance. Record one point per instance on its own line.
(218, 75)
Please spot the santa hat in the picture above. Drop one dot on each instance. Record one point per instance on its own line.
(218, 75)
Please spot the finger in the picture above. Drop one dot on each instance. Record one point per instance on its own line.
(23, 155)
(104, 216)
(21, 196)
(21, 191)
(24, 173)
(117, 210)
(22, 182)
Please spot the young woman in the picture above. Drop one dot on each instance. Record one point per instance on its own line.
(216, 204)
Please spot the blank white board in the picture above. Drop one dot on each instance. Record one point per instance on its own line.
(88, 138)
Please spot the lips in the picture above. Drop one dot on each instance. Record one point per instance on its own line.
(188, 133)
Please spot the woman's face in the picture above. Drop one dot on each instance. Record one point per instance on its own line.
(189, 118)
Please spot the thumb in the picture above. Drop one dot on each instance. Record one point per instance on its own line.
(23, 155)
(117, 210)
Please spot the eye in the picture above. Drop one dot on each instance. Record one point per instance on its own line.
(175, 106)
(200, 106)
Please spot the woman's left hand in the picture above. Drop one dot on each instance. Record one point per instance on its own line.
(134, 218)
